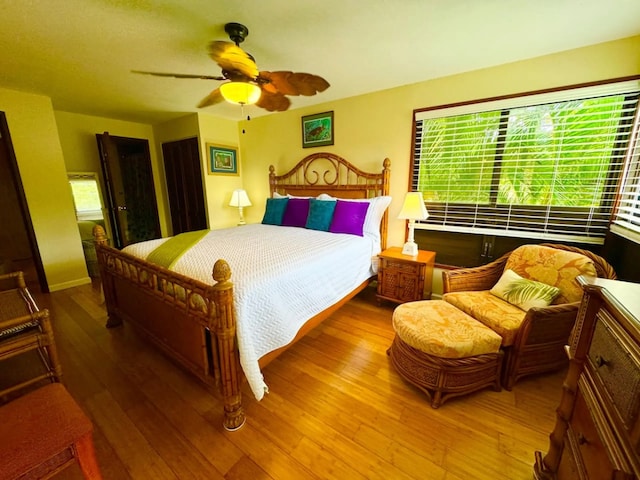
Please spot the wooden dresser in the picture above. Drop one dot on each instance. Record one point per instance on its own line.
(597, 431)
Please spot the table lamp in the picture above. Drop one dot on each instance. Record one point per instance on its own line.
(240, 199)
(412, 209)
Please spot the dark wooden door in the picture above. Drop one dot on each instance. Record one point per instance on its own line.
(183, 170)
(18, 247)
(130, 195)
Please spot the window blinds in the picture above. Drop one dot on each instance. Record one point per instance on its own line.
(541, 166)
(628, 212)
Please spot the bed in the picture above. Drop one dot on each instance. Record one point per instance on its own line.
(221, 331)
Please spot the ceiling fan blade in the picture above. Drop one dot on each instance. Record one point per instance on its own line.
(214, 97)
(292, 83)
(232, 58)
(273, 102)
(179, 75)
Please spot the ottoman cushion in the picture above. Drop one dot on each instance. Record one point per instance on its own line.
(440, 329)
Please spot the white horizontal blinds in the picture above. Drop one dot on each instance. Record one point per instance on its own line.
(628, 212)
(548, 169)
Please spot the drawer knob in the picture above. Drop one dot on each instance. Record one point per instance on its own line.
(582, 440)
(600, 362)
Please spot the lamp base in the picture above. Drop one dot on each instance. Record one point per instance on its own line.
(410, 248)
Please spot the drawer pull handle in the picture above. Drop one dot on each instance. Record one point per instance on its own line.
(600, 362)
(582, 440)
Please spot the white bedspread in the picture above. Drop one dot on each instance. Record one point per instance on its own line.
(282, 277)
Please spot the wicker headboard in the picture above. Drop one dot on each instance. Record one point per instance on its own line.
(324, 172)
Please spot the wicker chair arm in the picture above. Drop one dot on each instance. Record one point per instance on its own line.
(546, 324)
(475, 278)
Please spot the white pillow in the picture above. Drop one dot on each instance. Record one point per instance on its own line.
(522, 292)
(288, 195)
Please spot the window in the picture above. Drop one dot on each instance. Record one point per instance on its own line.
(538, 166)
(86, 196)
(627, 218)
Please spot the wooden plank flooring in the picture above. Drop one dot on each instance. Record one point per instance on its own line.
(335, 409)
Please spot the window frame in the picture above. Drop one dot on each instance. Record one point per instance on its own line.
(512, 101)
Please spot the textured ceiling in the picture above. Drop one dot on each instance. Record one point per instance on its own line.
(81, 52)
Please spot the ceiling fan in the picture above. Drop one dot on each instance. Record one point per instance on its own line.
(244, 83)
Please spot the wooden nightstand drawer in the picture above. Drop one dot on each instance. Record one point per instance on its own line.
(401, 267)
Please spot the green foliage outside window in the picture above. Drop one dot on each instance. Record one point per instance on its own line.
(557, 154)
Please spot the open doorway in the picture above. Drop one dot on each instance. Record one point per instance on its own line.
(129, 189)
(90, 212)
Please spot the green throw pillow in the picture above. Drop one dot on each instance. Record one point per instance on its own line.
(320, 214)
(274, 211)
(524, 293)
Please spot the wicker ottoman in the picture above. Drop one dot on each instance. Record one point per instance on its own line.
(443, 351)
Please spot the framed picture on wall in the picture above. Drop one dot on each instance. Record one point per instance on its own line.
(223, 159)
(317, 130)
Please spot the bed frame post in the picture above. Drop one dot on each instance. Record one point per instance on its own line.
(224, 325)
(108, 291)
(272, 180)
(385, 187)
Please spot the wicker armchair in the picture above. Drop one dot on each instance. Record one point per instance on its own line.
(537, 344)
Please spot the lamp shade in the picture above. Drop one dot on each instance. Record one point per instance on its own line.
(413, 207)
(239, 198)
(242, 93)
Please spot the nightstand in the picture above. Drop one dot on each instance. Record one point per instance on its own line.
(402, 278)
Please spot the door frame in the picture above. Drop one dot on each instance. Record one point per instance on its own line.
(22, 200)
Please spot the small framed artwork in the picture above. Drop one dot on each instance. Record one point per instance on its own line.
(317, 130)
(223, 160)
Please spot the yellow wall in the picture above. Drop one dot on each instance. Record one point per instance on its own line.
(36, 143)
(219, 187)
(80, 147)
(208, 129)
(370, 127)
(178, 129)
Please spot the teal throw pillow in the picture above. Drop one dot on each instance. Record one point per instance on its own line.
(320, 214)
(274, 211)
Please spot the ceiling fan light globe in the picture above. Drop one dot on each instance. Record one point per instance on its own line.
(241, 93)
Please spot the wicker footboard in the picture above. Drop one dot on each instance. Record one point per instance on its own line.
(191, 322)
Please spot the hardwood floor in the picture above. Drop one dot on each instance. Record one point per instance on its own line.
(336, 409)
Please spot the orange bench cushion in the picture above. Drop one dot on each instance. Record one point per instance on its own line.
(438, 328)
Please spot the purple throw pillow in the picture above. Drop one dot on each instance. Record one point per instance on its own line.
(295, 215)
(348, 217)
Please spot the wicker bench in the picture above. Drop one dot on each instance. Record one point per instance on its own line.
(443, 351)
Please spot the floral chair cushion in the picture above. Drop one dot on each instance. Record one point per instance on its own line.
(558, 268)
(500, 316)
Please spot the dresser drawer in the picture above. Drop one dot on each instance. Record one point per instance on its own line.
(614, 365)
(587, 437)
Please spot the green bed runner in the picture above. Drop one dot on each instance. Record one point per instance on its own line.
(170, 251)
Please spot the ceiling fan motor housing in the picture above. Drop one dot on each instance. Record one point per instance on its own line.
(236, 31)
